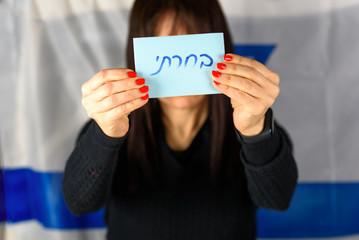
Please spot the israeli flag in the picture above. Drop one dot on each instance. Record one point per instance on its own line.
(50, 48)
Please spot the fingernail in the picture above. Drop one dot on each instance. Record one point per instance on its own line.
(216, 73)
(131, 74)
(227, 58)
(144, 89)
(140, 81)
(217, 83)
(221, 66)
(145, 97)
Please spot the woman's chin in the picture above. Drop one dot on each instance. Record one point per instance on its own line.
(183, 102)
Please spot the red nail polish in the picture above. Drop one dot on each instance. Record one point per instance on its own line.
(221, 66)
(140, 81)
(145, 97)
(216, 73)
(144, 89)
(227, 58)
(131, 74)
(217, 83)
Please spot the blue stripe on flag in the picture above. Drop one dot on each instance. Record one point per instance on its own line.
(38, 195)
(2, 197)
(317, 210)
(258, 52)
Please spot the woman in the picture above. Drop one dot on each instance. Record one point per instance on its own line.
(192, 167)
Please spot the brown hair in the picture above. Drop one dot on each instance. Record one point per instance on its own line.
(197, 16)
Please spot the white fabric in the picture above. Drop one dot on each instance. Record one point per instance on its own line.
(50, 48)
(32, 230)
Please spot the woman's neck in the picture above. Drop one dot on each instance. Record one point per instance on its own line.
(182, 125)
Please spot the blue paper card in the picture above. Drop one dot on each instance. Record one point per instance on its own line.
(178, 65)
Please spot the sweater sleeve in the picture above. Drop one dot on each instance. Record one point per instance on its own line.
(89, 170)
(271, 170)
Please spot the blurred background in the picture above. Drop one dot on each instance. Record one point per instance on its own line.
(50, 48)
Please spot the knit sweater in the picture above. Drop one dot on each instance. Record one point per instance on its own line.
(187, 204)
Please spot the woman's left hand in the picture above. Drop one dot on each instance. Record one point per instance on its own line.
(252, 88)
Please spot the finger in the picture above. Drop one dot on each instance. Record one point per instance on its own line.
(104, 76)
(268, 91)
(250, 103)
(248, 62)
(121, 98)
(243, 71)
(113, 87)
(241, 83)
(123, 109)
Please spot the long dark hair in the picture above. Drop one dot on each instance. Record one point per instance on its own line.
(197, 16)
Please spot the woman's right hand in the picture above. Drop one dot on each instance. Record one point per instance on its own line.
(110, 96)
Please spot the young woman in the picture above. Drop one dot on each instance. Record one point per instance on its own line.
(190, 167)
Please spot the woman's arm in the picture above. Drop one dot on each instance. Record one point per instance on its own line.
(89, 170)
(271, 170)
(108, 98)
(269, 164)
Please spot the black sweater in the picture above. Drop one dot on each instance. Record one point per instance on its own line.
(186, 205)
